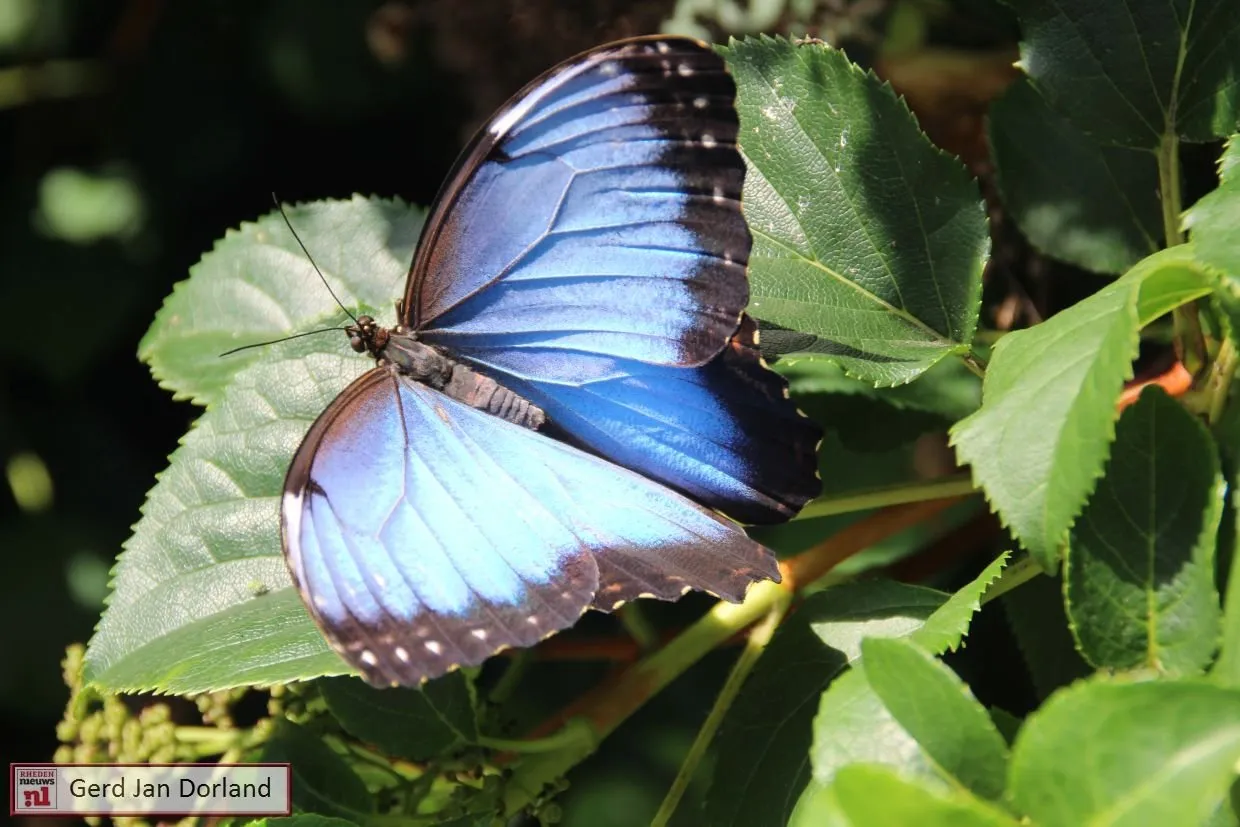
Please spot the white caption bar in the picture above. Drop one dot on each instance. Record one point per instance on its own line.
(150, 789)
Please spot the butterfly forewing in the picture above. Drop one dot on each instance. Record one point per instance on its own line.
(598, 213)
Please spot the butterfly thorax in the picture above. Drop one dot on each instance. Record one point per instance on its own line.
(402, 353)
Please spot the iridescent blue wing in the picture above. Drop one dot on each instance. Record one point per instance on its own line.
(425, 534)
(589, 252)
(724, 433)
(598, 213)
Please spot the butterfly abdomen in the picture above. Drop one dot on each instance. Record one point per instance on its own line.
(425, 364)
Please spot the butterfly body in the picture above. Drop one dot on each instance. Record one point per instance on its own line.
(422, 363)
(571, 411)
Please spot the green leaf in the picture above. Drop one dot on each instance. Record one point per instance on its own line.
(948, 390)
(257, 285)
(184, 615)
(946, 627)
(761, 746)
(934, 706)
(817, 807)
(852, 724)
(1119, 754)
(1226, 669)
(1039, 441)
(1215, 219)
(854, 727)
(764, 738)
(868, 796)
(868, 241)
(1140, 564)
(845, 615)
(1075, 200)
(322, 782)
(411, 723)
(1129, 72)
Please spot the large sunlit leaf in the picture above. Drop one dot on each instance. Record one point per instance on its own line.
(257, 285)
(1043, 433)
(1215, 219)
(1118, 754)
(868, 241)
(869, 795)
(201, 597)
(937, 709)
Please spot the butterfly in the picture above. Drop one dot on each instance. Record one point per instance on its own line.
(572, 399)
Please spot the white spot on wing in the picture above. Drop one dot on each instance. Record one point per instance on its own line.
(662, 47)
(379, 581)
(481, 634)
(532, 620)
(700, 102)
(368, 658)
(433, 647)
(402, 654)
(708, 140)
(685, 70)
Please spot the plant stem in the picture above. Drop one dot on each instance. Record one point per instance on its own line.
(955, 485)
(1218, 384)
(976, 364)
(811, 565)
(512, 675)
(576, 732)
(1169, 186)
(1190, 343)
(638, 626)
(759, 637)
(608, 706)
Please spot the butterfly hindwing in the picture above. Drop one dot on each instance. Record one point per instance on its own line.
(425, 534)
(597, 214)
(724, 433)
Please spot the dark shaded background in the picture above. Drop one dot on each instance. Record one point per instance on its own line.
(133, 134)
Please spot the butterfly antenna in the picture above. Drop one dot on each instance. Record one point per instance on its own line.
(282, 339)
(322, 278)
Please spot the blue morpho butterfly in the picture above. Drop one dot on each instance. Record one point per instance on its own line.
(572, 391)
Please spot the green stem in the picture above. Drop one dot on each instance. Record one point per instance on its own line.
(1189, 339)
(638, 626)
(759, 637)
(513, 672)
(1169, 187)
(940, 489)
(1218, 385)
(976, 364)
(643, 681)
(573, 735)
